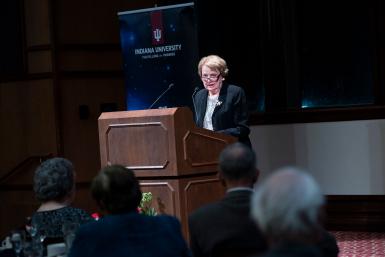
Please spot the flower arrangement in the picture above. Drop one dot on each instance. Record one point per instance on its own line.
(143, 208)
(145, 205)
(95, 216)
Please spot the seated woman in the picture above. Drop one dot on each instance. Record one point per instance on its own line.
(124, 231)
(54, 187)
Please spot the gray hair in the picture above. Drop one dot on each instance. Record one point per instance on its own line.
(54, 179)
(288, 205)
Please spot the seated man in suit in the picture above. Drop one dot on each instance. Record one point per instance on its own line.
(287, 207)
(225, 228)
(124, 231)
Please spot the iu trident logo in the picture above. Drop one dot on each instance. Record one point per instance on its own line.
(157, 34)
(157, 28)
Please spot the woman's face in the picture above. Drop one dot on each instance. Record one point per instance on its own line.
(212, 80)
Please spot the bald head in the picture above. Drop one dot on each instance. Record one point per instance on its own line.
(237, 161)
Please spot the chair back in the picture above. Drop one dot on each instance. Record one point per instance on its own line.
(56, 249)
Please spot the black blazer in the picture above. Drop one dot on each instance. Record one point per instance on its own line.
(225, 226)
(130, 235)
(293, 249)
(230, 114)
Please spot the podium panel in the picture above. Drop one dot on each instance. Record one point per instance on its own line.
(180, 196)
(142, 136)
(159, 142)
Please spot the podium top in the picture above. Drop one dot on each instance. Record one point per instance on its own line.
(144, 113)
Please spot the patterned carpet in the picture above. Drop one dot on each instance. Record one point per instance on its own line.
(360, 244)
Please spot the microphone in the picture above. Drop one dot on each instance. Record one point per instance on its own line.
(159, 97)
(193, 100)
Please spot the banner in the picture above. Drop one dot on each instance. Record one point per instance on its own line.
(160, 56)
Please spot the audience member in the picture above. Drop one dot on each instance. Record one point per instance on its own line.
(225, 228)
(54, 187)
(287, 207)
(123, 231)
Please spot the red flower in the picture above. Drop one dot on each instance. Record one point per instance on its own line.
(95, 215)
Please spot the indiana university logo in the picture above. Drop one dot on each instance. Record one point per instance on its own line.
(157, 28)
(157, 34)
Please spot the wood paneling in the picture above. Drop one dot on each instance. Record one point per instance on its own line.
(37, 22)
(41, 117)
(13, 134)
(39, 61)
(91, 21)
(159, 142)
(180, 196)
(90, 60)
(80, 136)
(356, 212)
(39, 113)
(16, 207)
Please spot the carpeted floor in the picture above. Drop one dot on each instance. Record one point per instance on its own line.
(360, 244)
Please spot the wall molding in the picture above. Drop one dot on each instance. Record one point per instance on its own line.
(356, 212)
(108, 74)
(318, 115)
(37, 48)
(89, 47)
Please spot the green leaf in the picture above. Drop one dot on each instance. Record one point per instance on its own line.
(145, 204)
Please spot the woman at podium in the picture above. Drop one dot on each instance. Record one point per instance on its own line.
(220, 106)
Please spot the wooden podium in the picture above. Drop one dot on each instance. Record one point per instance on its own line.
(171, 156)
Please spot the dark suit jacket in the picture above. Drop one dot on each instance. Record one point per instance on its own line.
(225, 226)
(129, 235)
(293, 249)
(230, 116)
(325, 246)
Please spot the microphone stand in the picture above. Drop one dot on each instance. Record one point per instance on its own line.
(193, 100)
(159, 97)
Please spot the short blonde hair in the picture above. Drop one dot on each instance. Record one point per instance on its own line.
(213, 62)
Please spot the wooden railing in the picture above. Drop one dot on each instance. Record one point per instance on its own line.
(22, 165)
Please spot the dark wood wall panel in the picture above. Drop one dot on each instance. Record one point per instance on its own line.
(82, 102)
(356, 212)
(91, 21)
(27, 121)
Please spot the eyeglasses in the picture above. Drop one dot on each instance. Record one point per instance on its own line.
(211, 77)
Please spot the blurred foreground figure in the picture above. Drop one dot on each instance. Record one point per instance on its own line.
(123, 231)
(288, 208)
(225, 228)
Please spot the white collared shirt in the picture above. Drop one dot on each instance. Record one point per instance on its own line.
(211, 103)
(240, 189)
